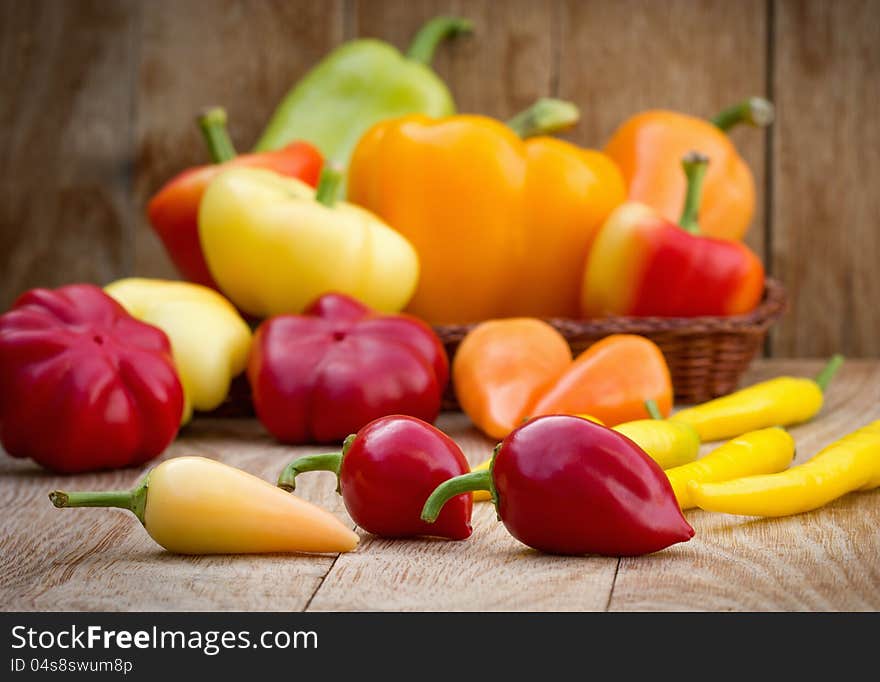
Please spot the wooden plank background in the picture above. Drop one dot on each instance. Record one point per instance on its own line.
(97, 100)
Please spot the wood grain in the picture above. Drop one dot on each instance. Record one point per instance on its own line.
(618, 58)
(826, 208)
(241, 54)
(66, 74)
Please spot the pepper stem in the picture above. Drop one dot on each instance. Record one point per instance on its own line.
(135, 500)
(694, 165)
(432, 34)
(653, 410)
(466, 483)
(213, 125)
(824, 377)
(755, 111)
(544, 117)
(328, 186)
(330, 461)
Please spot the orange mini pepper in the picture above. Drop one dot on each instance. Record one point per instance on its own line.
(502, 226)
(641, 264)
(647, 148)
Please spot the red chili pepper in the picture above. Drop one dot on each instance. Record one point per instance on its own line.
(322, 375)
(83, 385)
(565, 485)
(385, 473)
(173, 211)
(641, 264)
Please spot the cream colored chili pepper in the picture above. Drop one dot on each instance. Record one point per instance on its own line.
(757, 452)
(194, 505)
(782, 401)
(849, 464)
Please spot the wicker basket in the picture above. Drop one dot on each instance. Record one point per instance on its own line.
(706, 355)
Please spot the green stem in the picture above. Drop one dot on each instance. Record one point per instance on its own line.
(330, 461)
(544, 117)
(828, 372)
(755, 111)
(653, 410)
(466, 483)
(213, 125)
(328, 186)
(694, 165)
(432, 34)
(135, 500)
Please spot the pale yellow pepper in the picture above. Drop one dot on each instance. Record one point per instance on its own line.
(195, 505)
(209, 339)
(782, 401)
(758, 452)
(849, 464)
(273, 244)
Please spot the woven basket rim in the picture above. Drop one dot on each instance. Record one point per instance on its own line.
(773, 304)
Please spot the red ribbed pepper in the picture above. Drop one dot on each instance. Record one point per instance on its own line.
(83, 385)
(642, 265)
(385, 473)
(566, 485)
(322, 375)
(173, 211)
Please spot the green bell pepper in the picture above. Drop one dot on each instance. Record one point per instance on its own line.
(361, 83)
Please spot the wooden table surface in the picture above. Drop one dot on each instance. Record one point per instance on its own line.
(99, 559)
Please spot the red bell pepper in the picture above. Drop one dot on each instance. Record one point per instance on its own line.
(83, 385)
(173, 211)
(324, 374)
(385, 473)
(641, 264)
(566, 485)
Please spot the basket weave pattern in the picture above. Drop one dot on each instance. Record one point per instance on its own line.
(706, 355)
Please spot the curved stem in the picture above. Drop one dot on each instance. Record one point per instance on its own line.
(330, 461)
(432, 34)
(653, 410)
(755, 111)
(466, 483)
(135, 500)
(694, 165)
(328, 186)
(212, 123)
(824, 377)
(544, 117)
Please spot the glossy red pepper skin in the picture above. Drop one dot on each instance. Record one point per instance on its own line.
(83, 385)
(173, 211)
(566, 485)
(322, 375)
(387, 471)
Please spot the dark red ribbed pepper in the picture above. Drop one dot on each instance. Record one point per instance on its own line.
(385, 473)
(565, 485)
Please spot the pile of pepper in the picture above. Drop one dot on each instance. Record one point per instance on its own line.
(316, 264)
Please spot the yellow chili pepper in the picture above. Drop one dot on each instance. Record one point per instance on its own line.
(209, 339)
(758, 452)
(849, 464)
(782, 401)
(194, 505)
(666, 443)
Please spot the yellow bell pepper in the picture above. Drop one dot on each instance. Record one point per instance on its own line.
(273, 245)
(209, 339)
(195, 505)
(502, 225)
(849, 464)
(782, 401)
(758, 452)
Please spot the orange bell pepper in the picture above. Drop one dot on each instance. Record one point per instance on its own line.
(509, 370)
(502, 368)
(648, 146)
(488, 213)
(611, 381)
